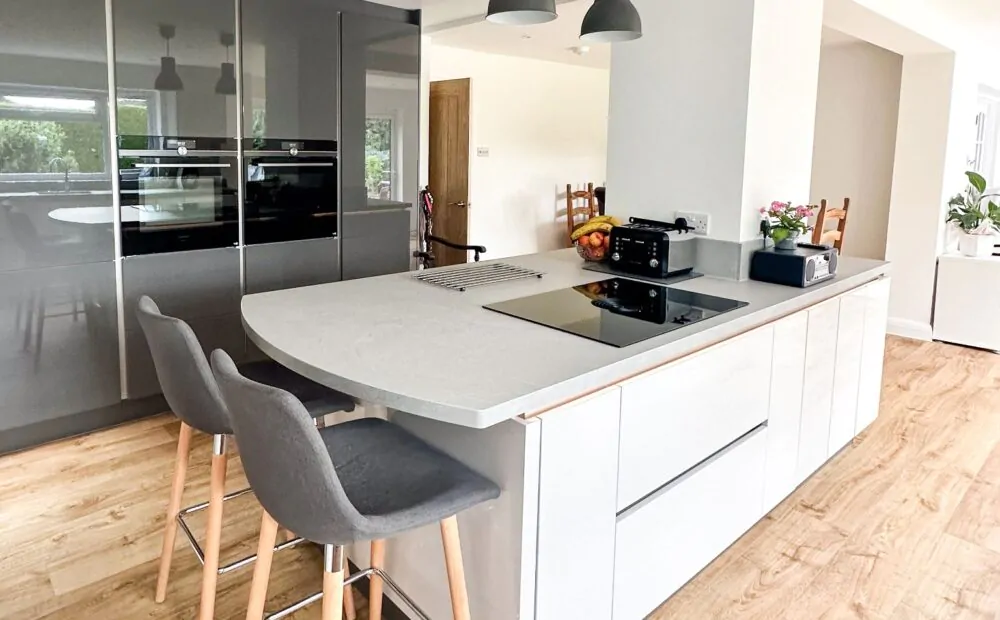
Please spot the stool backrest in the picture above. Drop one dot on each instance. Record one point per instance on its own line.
(285, 460)
(185, 376)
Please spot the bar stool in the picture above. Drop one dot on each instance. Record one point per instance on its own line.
(366, 480)
(193, 395)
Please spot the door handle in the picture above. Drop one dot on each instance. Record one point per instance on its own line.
(458, 204)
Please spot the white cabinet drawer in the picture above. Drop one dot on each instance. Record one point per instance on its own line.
(664, 541)
(676, 416)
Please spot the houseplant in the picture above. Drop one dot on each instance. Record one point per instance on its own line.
(783, 223)
(977, 216)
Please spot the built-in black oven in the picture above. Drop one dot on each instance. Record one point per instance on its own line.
(291, 190)
(178, 194)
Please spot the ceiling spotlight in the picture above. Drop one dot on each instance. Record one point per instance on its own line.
(521, 12)
(611, 21)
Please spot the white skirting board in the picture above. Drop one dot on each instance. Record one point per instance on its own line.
(906, 328)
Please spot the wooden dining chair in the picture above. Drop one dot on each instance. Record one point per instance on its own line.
(581, 205)
(834, 236)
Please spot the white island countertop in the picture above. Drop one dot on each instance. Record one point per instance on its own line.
(437, 353)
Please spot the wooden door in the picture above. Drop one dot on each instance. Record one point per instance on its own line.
(449, 166)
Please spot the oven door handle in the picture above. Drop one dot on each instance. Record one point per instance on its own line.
(141, 165)
(305, 164)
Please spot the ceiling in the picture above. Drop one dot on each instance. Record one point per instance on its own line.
(462, 24)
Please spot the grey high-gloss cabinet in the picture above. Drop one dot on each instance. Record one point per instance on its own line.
(181, 92)
(376, 243)
(59, 369)
(201, 288)
(381, 63)
(291, 61)
(278, 266)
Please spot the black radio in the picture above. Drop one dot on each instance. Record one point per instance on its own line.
(804, 266)
(653, 249)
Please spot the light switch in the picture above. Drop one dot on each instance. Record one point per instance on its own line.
(483, 151)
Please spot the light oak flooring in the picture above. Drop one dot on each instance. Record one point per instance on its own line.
(903, 525)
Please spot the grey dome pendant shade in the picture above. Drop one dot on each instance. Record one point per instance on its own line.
(521, 12)
(611, 21)
(168, 79)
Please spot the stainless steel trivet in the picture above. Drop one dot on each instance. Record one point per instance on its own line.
(469, 276)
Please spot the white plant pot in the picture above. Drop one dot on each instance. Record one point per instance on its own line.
(977, 245)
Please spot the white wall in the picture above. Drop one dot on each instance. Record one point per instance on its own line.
(713, 110)
(545, 125)
(856, 118)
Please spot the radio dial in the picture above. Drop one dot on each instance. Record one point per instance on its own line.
(653, 263)
(182, 150)
(616, 256)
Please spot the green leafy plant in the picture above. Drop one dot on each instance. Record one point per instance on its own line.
(973, 211)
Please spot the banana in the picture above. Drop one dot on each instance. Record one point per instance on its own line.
(610, 219)
(590, 227)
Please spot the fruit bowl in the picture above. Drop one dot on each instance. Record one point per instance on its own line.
(592, 254)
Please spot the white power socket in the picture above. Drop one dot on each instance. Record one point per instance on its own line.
(698, 221)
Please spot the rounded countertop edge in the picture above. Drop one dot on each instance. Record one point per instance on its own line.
(552, 396)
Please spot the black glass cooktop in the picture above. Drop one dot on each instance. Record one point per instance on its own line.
(617, 311)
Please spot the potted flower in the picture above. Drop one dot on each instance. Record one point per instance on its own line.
(976, 216)
(783, 223)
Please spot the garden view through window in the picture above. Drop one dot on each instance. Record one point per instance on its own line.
(378, 157)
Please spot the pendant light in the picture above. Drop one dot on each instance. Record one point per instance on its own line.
(227, 81)
(168, 78)
(611, 21)
(521, 12)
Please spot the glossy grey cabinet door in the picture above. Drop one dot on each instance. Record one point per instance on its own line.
(376, 243)
(186, 91)
(278, 266)
(201, 288)
(379, 110)
(58, 343)
(54, 134)
(291, 61)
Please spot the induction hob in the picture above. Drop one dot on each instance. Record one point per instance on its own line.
(617, 311)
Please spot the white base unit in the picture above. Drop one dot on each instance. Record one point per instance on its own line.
(787, 371)
(967, 301)
(817, 387)
(670, 536)
(847, 374)
(876, 297)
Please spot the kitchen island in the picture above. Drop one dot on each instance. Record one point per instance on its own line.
(624, 470)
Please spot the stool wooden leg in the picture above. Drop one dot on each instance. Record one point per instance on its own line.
(375, 582)
(456, 571)
(262, 568)
(173, 507)
(333, 582)
(350, 612)
(213, 538)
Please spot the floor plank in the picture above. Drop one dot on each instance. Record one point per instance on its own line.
(904, 524)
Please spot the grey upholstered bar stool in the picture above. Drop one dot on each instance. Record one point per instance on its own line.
(192, 393)
(366, 480)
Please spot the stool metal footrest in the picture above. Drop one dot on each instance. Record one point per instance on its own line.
(368, 572)
(250, 559)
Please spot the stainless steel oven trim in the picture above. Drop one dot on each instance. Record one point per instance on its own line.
(241, 172)
(252, 153)
(174, 153)
(299, 164)
(142, 165)
(116, 202)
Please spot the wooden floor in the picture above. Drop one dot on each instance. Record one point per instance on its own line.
(904, 524)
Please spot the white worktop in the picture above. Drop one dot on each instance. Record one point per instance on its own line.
(436, 353)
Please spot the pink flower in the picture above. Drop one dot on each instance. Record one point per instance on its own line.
(763, 210)
(777, 205)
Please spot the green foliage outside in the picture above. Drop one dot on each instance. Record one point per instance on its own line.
(37, 146)
(378, 151)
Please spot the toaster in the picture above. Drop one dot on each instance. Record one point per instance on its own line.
(804, 266)
(652, 249)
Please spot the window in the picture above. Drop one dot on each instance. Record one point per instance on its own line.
(983, 158)
(379, 157)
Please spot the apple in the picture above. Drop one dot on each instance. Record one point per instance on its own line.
(596, 240)
(584, 240)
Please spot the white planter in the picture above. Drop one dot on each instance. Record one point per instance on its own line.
(977, 245)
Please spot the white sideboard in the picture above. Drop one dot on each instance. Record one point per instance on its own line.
(663, 472)
(967, 301)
